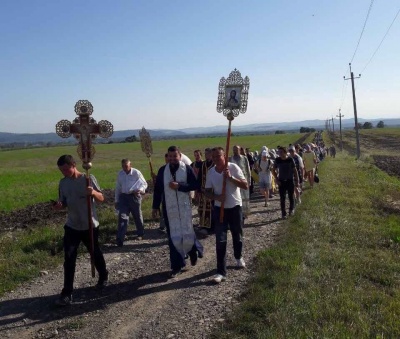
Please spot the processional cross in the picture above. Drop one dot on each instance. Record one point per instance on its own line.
(85, 129)
(147, 148)
(233, 94)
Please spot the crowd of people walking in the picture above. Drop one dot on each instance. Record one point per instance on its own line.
(218, 186)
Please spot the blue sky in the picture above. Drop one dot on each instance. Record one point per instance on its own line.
(158, 63)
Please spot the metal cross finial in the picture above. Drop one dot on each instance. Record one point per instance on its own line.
(85, 129)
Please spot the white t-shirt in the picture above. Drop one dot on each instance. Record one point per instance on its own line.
(232, 193)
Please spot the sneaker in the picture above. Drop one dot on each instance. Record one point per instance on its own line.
(64, 300)
(266, 204)
(284, 217)
(219, 278)
(240, 263)
(138, 237)
(120, 243)
(174, 273)
(291, 212)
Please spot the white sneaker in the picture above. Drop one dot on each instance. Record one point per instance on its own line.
(218, 278)
(240, 263)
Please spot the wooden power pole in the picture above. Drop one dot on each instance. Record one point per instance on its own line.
(340, 116)
(355, 109)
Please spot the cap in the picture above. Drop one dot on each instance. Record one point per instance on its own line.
(264, 153)
(291, 148)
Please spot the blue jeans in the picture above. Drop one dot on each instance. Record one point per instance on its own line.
(232, 220)
(129, 204)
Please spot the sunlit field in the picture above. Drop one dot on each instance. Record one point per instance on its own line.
(29, 176)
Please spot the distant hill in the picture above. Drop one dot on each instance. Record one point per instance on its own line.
(52, 138)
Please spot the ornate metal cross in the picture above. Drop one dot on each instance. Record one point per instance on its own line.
(84, 129)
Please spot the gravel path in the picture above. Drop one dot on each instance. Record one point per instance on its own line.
(140, 302)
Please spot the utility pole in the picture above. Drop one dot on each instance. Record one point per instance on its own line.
(355, 109)
(329, 125)
(333, 125)
(340, 116)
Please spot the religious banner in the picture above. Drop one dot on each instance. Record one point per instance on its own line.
(233, 94)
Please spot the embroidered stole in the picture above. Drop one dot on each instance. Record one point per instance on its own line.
(179, 212)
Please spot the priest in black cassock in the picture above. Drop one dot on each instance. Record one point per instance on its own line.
(174, 182)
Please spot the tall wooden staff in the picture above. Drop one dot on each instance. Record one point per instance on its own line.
(233, 94)
(147, 148)
(85, 129)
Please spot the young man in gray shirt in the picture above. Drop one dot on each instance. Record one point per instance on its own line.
(73, 193)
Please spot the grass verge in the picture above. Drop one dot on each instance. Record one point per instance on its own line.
(335, 273)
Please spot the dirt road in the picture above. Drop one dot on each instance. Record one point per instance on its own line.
(141, 302)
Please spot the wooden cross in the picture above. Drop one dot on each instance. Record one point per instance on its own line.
(85, 129)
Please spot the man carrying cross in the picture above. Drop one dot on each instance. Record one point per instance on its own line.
(73, 192)
(78, 192)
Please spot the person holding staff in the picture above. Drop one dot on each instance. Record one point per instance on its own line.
(235, 180)
(73, 192)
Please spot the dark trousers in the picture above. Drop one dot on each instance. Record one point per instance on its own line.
(72, 239)
(286, 186)
(177, 262)
(233, 220)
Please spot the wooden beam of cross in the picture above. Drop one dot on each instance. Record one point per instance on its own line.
(85, 129)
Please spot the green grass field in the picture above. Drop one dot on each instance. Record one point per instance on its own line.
(335, 271)
(29, 176)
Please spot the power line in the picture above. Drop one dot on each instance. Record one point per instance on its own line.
(384, 37)
(362, 32)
